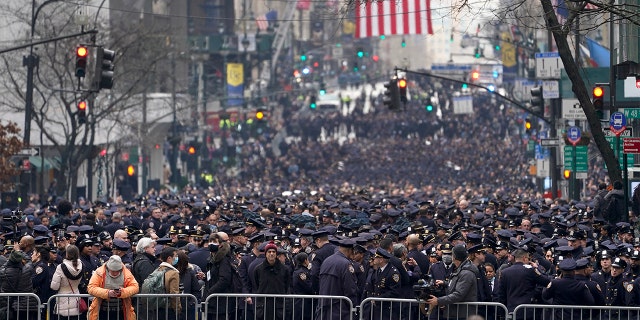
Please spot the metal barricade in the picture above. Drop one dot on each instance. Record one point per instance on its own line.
(276, 307)
(145, 306)
(569, 312)
(20, 306)
(412, 309)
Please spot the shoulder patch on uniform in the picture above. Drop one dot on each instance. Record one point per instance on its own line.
(303, 276)
(396, 277)
(39, 270)
(351, 269)
(629, 287)
(150, 224)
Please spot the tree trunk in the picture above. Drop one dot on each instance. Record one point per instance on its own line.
(580, 90)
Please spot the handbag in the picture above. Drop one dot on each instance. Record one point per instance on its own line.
(82, 305)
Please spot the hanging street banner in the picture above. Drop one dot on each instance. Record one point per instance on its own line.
(235, 84)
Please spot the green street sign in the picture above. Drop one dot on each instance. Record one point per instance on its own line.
(619, 154)
(581, 158)
(631, 113)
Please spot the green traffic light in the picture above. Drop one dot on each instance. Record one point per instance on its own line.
(465, 86)
(404, 44)
(322, 92)
(497, 47)
(429, 108)
(312, 106)
(382, 37)
(303, 58)
(360, 54)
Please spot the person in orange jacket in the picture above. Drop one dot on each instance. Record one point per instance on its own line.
(112, 285)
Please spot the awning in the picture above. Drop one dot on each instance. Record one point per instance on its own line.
(49, 163)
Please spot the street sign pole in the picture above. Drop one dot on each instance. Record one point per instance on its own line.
(572, 186)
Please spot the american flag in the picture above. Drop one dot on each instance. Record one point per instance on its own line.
(264, 20)
(375, 18)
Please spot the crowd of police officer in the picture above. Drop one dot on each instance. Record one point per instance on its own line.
(356, 245)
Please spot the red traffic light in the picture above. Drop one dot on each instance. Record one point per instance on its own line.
(131, 170)
(402, 83)
(82, 106)
(638, 82)
(82, 52)
(191, 150)
(475, 75)
(567, 173)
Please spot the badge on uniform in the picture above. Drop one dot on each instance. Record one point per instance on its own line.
(313, 255)
(629, 287)
(39, 270)
(396, 277)
(361, 268)
(303, 276)
(598, 287)
(150, 224)
(351, 269)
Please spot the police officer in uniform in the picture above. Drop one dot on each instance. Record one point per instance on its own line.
(106, 246)
(301, 285)
(567, 290)
(443, 269)
(122, 248)
(518, 282)
(385, 283)
(89, 262)
(337, 277)
(325, 249)
(43, 273)
(583, 270)
(620, 288)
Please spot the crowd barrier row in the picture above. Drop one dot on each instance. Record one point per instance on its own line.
(288, 307)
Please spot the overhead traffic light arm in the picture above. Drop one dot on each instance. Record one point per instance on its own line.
(495, 92)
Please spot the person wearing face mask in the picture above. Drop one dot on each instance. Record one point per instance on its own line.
(219, 279)
(112, 285)
(443, 269)
(170, 259)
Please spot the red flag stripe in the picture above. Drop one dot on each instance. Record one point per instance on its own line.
(391, 18)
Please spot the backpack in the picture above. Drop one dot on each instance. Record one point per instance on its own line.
(154, 284)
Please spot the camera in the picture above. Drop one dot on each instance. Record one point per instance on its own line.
(428, 287)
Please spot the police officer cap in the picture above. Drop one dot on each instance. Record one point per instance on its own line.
(619, 263)
(476, 248)
(320, 233)
(455, 236)
(605, 254)
(381, 253)
(346, 243)
(446, 248)
(237, 231)
(40, 240)
(582, 263)
(257, 238)
(473, 237)
(120, 244)
(163, 241)
(40, 229)
(567, 264)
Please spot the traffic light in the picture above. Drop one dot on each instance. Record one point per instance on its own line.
(598, 98)
(323, 88)
(392, 95)
(82, 54)
(103, 77)
(566, 174)
(82, 112)
(475, 75)
(403, 43)
(131, 170)
(191, 150)
(537, 100)
(527, 125)
(638, 82)
(303, 57)
(312, 102)
(360, 53)
(260, 115)
(428, 105)
(477, 52)
(402, 89)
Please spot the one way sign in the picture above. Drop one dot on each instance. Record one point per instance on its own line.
(29, 152)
